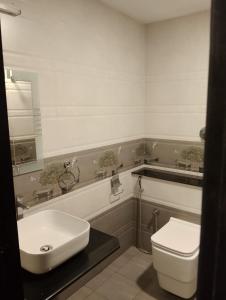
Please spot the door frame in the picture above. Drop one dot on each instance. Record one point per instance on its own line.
(212, 259)
(212, 262)
(10, 271)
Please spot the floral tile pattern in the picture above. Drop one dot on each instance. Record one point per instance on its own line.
(85, 167)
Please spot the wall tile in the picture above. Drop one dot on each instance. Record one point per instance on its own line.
(76, 76)
(177, 77)
(115, 93)
(128, 155)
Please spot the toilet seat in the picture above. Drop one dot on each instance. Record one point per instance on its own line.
(178, 237)
(168, 250)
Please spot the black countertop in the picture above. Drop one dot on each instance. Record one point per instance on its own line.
(189, 179)
(47, 286)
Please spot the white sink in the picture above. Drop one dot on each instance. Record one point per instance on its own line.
(49, 238)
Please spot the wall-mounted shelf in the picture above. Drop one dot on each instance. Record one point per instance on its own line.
(173, 176)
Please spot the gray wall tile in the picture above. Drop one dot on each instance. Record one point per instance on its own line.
(128, 154)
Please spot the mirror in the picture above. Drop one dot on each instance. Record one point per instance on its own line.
(24, 120)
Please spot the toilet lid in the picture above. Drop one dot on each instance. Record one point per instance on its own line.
(178, 236)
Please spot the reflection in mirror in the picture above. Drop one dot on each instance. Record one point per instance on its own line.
(24, 121)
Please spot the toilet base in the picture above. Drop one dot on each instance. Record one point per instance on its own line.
(182, 289)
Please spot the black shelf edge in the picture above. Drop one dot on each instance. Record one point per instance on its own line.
(47, 286)
(170, 176)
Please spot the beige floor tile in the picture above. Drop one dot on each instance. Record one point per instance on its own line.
(144, 256)
(96, 296)
(118, 288)
(143, 259)
(100, 278)
(129, 277)
(143, 296)
(120, 262)
(138, 273)
(81, 294)
(131, 252)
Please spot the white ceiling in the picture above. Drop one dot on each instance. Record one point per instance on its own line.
(148, 11)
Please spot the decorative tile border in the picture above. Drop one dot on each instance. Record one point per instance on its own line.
(175, 154)
(72, 171)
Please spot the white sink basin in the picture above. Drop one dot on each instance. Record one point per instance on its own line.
(49, 238)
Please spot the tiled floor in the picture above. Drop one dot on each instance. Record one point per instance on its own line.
(130, 277)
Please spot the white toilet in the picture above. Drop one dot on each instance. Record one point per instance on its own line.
(175, 255)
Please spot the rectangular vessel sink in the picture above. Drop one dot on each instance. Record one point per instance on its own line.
(49, 238)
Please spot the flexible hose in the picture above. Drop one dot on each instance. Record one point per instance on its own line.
(139, 240)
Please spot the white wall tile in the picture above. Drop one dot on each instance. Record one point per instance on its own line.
(176, 126)
(94, 199)
(177, 78)
(81, 132)
(94, 57)
(90, 201)
(178, 92)
(100, 84)
(171, 194)
(87, 56)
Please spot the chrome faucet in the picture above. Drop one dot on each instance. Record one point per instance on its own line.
(20, 206)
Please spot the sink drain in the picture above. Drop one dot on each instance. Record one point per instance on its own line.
(46, 248)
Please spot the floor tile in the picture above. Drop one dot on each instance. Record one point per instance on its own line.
(131, 252)
(138, 273)
(118, 288)
(100, 278)
(129, 277)
(143, 259)
(96, 296)
(143, 296)
(120, 262)
(81, 294)
(144, 256)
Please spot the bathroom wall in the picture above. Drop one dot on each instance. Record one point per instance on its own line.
(177, 77)
(164, 213)
(175, 154)
(172, 194)
(89, 201)
(91, 65)
(99, 163)
(94, 166)
(97, 80)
